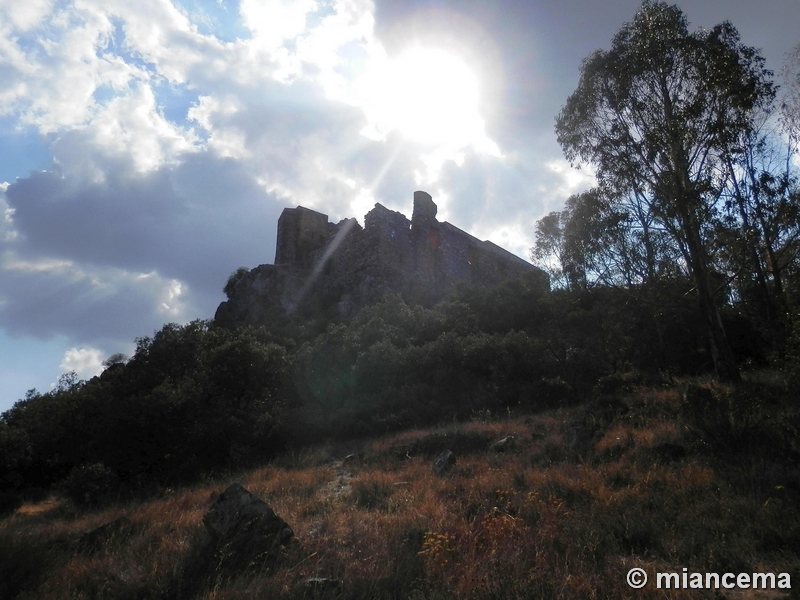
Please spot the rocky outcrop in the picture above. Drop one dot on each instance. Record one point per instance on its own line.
(237, 511)
(245, 533)
(340, 268)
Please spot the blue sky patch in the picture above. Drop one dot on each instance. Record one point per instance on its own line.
(175, 101)
(219, 18)
(21, 151)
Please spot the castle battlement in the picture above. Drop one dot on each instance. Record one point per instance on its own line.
(318, 263)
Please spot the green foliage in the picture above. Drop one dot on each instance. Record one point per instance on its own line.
(90, 485)
(118, 358)
(68, 381)
(233, 280)
(192, 399)
(661, 116)
(396, 365)
(746, 419)
(195, 398)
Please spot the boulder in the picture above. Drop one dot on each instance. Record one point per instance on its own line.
(245, 533)
(445, 461)
(245, 536)
(504, 445)
(107, 535)
(236, 509)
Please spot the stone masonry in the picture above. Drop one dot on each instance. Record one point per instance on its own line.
(343, 267)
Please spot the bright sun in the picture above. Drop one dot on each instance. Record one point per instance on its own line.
(428, 95)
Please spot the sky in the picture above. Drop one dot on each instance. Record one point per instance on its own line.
(148, 147)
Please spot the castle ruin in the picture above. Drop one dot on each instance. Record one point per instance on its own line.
(321, 265)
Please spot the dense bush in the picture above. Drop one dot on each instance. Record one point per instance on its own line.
(196, 398)
(90, 485)
(193, 398)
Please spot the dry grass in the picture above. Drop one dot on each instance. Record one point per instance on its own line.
(544, 520)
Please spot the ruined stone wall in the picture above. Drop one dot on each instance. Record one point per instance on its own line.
(321, 264)
(301, 232)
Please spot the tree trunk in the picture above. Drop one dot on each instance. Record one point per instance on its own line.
(686, 201)
(721, 353)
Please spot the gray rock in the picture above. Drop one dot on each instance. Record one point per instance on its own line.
(110, 534)
(421, 259)
(321, 588)
(504, 445)
(235, 508)
(444, 462)
(245, 535)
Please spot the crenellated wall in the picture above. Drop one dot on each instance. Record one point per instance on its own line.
(320, 264)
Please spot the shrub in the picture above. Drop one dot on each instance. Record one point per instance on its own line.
(91, 485)
(234, 279)
(371, 494)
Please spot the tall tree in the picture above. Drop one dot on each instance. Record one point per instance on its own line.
(601, 240)
(760, 234)
(790, 97)
(659, 115)
(548, 250)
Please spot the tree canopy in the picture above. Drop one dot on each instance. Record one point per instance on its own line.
(661, 115)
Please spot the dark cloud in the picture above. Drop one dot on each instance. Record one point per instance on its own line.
(104, 306)
(97, 256)
(184, 222)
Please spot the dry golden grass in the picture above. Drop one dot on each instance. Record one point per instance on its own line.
(540, 521)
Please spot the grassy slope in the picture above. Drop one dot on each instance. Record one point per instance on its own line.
(587, 493)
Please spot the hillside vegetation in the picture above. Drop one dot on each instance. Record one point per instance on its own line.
(646, 478)
(197, 398)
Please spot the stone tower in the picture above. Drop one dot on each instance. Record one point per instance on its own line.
(301, 232)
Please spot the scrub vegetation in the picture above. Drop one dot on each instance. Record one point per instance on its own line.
(646, 481)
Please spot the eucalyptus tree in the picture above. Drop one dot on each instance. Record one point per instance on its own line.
(658, 115)
(547, 252)
(760, 235)
(602, 240)
(790, 97)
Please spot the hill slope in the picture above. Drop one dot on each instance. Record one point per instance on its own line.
(653, 478)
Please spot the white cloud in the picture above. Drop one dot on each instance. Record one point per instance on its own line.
(164, 37)
(24, 15)
(273, 22)
(51, 75)
(214, 115)
(7, 231)
(572, 180)
(46, 296)
(130, 129)
(86, 362)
